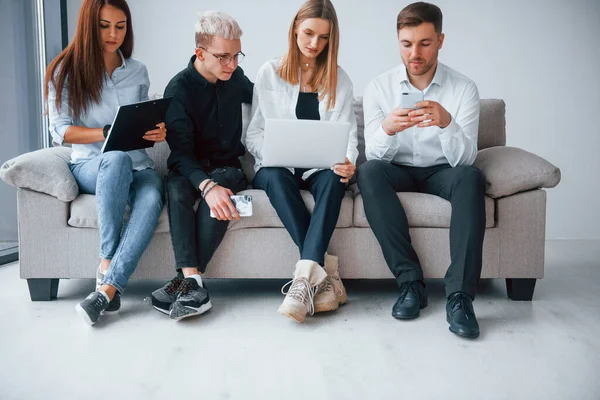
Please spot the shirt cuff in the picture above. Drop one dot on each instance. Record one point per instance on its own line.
(448, 132)
(58, 134)
(384, 138)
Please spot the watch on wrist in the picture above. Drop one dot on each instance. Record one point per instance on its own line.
(105, 130)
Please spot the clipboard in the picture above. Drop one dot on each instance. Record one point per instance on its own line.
(132, 122)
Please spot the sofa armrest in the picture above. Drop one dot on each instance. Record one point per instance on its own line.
(509, 170)
(46, 171)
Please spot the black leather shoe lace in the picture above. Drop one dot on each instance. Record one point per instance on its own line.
(408, 287)
(462, 301)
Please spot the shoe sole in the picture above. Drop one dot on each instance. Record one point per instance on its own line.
(86, 318)
(406, 317)
(340, 301)
(198, 311)
(110, 312)
(461, 334)
(166, 312)
(293, 313)
(160, 306)
(299, 318)
(330, 306)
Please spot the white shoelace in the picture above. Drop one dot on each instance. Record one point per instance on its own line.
(301, 291)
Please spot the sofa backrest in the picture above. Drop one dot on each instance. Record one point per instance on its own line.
(492, 132)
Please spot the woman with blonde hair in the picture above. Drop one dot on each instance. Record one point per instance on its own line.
(84, 87)
(307, 83)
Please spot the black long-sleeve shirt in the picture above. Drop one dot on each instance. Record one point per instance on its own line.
(204, 122)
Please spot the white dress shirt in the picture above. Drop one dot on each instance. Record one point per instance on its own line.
(455, 144)
(275, 98)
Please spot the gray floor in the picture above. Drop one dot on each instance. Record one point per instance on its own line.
(242, 349)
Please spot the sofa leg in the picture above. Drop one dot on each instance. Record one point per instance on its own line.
(520, 289)
(42, 289)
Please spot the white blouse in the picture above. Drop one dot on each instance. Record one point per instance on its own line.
(275, 98)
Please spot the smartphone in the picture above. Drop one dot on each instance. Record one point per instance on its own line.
(242, 203)
(410, 99)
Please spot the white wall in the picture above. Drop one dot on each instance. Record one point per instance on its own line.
(540, 56)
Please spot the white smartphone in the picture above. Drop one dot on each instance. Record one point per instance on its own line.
(242, 203)
(410, 99)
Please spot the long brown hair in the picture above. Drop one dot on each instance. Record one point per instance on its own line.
(325, 77)
(82, 61)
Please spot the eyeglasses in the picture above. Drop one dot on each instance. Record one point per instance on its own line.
(225, 60)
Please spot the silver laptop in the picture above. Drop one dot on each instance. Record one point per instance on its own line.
(297, 143)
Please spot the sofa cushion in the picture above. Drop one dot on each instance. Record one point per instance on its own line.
(423, 210)
(509, 170)
(46, 171)
(264, 215)
(83, 212)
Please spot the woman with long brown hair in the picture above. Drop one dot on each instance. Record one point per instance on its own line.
(84, 87)
(307, 83)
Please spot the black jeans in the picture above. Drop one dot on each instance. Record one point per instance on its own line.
(310, 233)
(194, 234)
(463, 186)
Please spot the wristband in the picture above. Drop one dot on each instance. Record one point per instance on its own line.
(105, 130)
(209, 189)
(205, 186)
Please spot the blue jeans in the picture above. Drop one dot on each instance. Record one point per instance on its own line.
(111, 178)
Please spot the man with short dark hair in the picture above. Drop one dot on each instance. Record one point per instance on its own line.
(427, 147)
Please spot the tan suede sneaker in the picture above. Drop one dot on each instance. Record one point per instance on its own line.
(299, 298)
(331, 293)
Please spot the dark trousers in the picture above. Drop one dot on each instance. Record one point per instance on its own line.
(310, 233)
(194, 234)
(463, 186)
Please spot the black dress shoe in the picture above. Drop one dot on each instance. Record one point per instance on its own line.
(413, 297)
(460, 315)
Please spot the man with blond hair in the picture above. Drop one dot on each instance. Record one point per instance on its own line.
(204, 123)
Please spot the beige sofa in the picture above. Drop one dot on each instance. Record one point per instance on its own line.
(58, 236)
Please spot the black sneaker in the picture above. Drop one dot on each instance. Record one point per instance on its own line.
(413, 297)
(115, 303)
(165, 296)
(114, 306)
(461, 316)
(192, 299)
(90, 308)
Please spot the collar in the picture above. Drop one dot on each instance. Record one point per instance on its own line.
(197, 76)
(123, 60)
(438, 78)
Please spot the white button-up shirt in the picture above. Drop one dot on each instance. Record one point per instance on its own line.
(455, 144)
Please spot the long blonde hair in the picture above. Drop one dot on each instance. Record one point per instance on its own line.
(324, 79)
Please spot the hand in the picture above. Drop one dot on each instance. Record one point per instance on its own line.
(430, 113)
(397, 121)
(345, 170)
(157, 135)
(220, 203)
